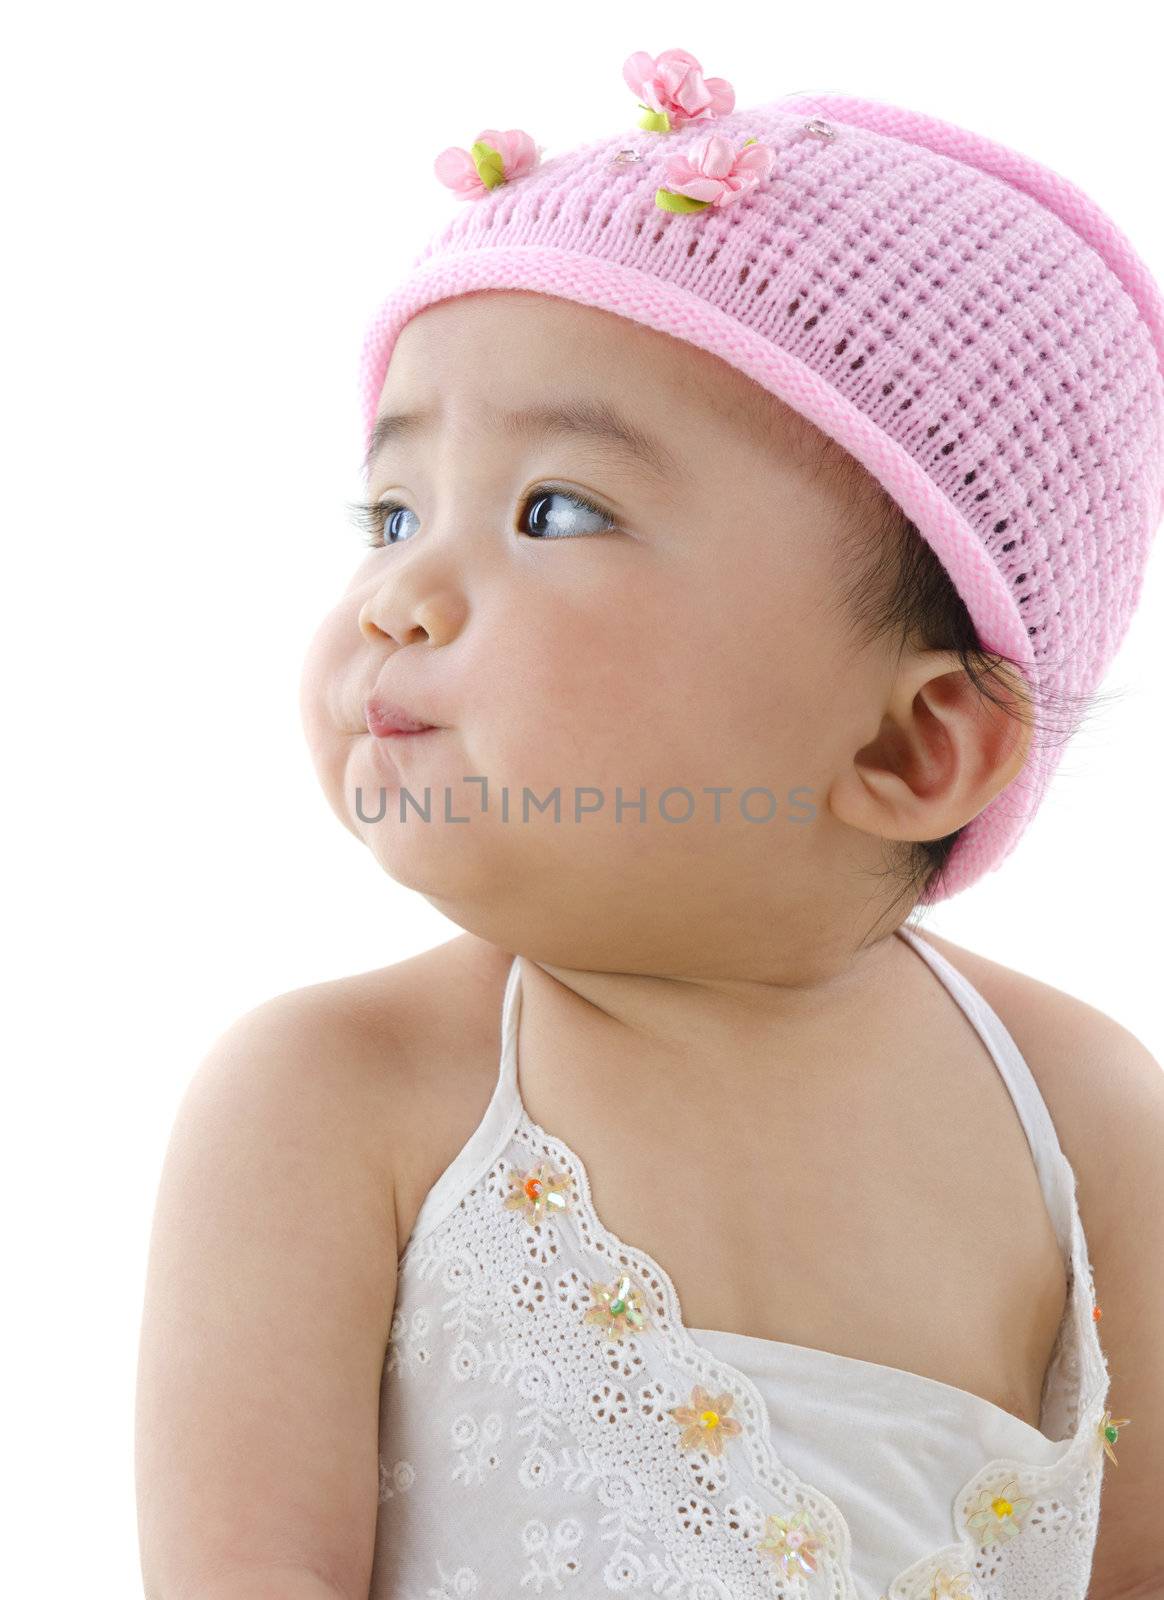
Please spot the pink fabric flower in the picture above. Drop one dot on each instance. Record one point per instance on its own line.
(674, 91)
(712, 173)
(494, 158)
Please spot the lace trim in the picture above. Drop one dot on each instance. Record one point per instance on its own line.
(1076, 1384)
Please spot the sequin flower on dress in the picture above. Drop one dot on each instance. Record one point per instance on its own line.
(491, 160)
(945, 1587)
(672, 90)
(792, 1542)
(998, 1514)
(706, 1421)
(537, 1191)
(1109, 1432)
(618, 1308)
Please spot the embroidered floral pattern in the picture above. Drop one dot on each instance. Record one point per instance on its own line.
(492, 159)
(998, 1514)
(1109, 1432)
(706, 1423)
(672, 90)
(618, 1308)
(712, 172)
(396, 1479)
(792, 1542)
(537, 1191)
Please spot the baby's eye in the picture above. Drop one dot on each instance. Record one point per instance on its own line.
(557, 524)
(382, 526)
(389, 529)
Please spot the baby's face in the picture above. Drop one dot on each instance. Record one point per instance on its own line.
(684, 637)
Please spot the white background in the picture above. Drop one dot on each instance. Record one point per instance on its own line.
(205, 205)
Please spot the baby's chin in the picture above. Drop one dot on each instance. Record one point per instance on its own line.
(453, 857)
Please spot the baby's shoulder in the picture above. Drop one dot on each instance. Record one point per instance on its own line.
(412, 1048)
(1097, 1079)
(1057, 1032)
(401, 1020)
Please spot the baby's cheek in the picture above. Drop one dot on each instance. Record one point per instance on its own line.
(332, 686)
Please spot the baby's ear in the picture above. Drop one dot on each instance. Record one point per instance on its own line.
(945, 749)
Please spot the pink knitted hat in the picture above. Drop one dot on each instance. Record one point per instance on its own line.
(961, 319)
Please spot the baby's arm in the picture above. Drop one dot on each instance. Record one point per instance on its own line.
(268, 1304)
(1117, 1100)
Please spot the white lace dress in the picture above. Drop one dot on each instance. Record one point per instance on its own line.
(549, 1425)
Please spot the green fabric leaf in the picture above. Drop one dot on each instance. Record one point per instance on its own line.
(490, 168)
(668, 200)
(654, 121)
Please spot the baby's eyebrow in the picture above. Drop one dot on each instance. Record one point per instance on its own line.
(596, 418)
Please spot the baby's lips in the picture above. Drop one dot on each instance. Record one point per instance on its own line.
(385, 717)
